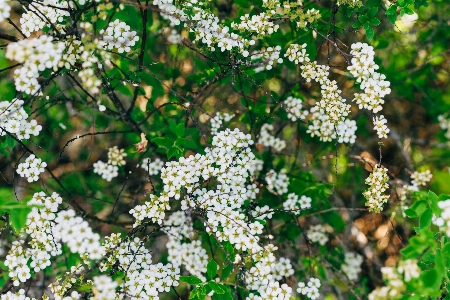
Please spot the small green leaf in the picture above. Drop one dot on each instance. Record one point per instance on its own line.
(10, 142)
(372, 12)
(357, 24)
(392, 10)
(173, 126)
(163, 142)
(226, 296)
(371, 3)
(363, 19)
(198, 293)
(425, 219)
(418, 208)
(375, 21)
(439, 263)
(217, 287)
(211, 269)
(227, 271)
(392, 19)
(431, 279)
(190, 279)
(446, 249)
(18, 217)
(369, 31)
(180, 130)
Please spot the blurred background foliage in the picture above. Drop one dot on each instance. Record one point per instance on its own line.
(413, 54)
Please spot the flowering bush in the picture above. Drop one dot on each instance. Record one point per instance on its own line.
(224, 149)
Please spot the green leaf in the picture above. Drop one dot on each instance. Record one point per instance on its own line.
(372, 12)
(418, 208)
(369, 31)
(217, 287)
(226, 296)
(163, 142)
(174, 151)
(375, 21)
(446, 249)
(198, 293)
(173, 126)
(357, 24)
(363, 19)
(439, 263)
(211, 269)
(10, 142)
(229, 249)
(371, 3)
(392, 19)
(228, 269)
(18, 217)
(180, 130)
(431, 279)
(190, 279)
(392, 10)
(425, 219)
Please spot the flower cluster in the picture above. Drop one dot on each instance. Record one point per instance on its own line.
(173, 36)
(144, 279)
(378, 184)
(32, 19)
(263, 276)
(42, 245)
(318, 233)
(36, 55)
(76, 233)
(297, 53)
(308, 17)
(110, 169)
(16, 262)
(152, 167)
(421, 178)
(47, 229)
(104, 288)
(259, 24)
(444, 122)
(332, 104)
(352, 265)
(276, 292)
(351, 3)
(294, 204)
(443, 221)
(31, 168)
(327, 131)
(409, 269)
(282, 268)
(20, 295)
(269, 140)
(380, 126)
(293, 107)
(311, 289)
(395, 285)
(189, 254)
(116, 156)
(346, 131)
(277, 182)
(118, 36)
(373, 84)
(153, 210)
(107, 172)
(266, 58)
(4, 11)
(13, 119)
(218, 120)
